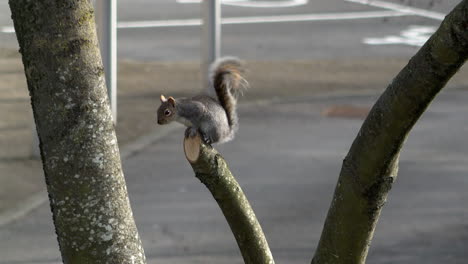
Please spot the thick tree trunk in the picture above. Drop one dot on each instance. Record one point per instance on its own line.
(88, 196)
(211, 169)
(371, 165)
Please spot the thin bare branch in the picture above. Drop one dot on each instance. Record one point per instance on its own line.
(211, 169)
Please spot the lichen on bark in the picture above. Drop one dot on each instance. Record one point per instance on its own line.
(88, 196)
(371, 165)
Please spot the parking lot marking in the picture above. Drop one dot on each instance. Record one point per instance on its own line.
(251, 20)
(7, 30)
(255, 4)
(159, 23)
(401, 8)
(263, 19)
(413, 36)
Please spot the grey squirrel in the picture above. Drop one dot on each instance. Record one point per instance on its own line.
(214, 112)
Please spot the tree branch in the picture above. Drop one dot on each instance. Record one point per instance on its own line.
(371, 165)
(211, 169)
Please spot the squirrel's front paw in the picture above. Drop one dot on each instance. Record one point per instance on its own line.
(190, 132)
(207, 140)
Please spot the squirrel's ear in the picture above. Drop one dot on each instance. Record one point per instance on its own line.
(171, 100)
(163, 99)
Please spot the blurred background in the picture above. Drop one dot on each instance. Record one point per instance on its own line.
(315, 69)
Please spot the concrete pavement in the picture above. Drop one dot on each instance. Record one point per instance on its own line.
(139, 87)
(287, 158)
(319, 66)
(335, 36)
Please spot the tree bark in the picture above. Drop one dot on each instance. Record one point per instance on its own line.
(211, 169)
(88, 196)
(371, 165)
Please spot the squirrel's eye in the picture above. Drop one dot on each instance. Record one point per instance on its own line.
(167, 112)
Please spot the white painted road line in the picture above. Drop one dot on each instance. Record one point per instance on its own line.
(254, 4)
(266, 4)
(159, 23)
(264, 19)
(401, 8)
(252, 20)
(413, 36)
(7, 30)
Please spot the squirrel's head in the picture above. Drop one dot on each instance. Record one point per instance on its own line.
(167, 110)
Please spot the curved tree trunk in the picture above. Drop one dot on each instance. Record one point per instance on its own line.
(88, 196)
(371, 165)
(211, 169)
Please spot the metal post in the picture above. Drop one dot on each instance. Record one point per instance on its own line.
(211, 35)
(106, 18)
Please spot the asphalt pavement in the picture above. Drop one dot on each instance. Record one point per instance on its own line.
(335, 36)
(287, 157)
(288, 153)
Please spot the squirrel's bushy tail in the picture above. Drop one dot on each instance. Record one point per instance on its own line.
(226, 75)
